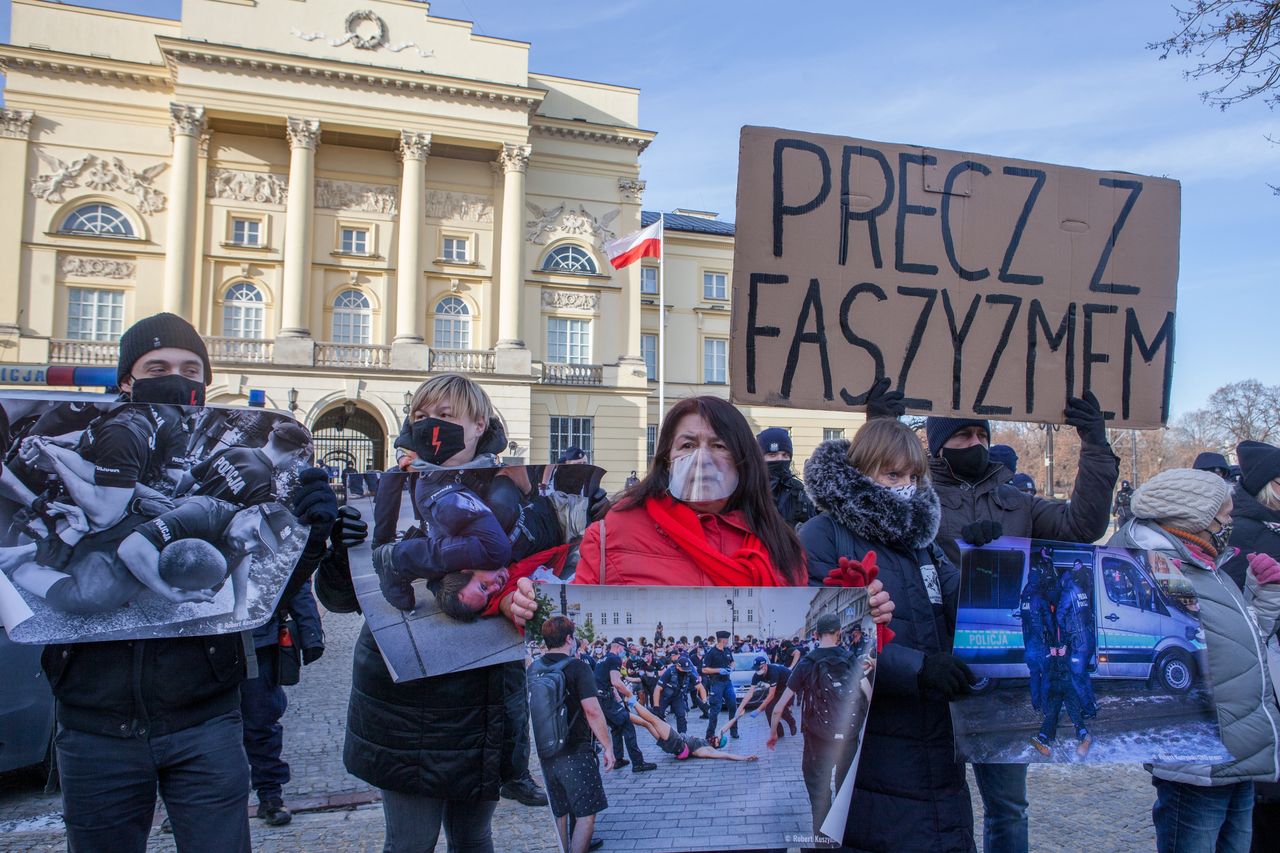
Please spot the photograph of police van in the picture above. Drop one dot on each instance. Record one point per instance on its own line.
(1082, 653)
(1146, 626)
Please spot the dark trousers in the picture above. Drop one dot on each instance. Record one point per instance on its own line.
(515, 765)
(109, 788)
(1038, 664)
(1080, 679)
(720, 695)
(819, 759)
(767, 712)
(413, 823)
(678, 705)
(624, 731)
(1053, 712)
(262, 704)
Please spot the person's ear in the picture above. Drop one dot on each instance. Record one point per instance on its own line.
(126, 384)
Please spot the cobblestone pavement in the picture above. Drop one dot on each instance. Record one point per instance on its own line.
(1098, 808)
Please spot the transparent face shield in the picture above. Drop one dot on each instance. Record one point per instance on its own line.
(702, 476)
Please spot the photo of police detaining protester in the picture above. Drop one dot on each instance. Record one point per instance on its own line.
(127, 520)
(1081, 653)
(615, 719)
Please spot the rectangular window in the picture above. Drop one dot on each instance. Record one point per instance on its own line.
(628, 617)
(568, 341)
(832, 433)
(246, 232)
(570, 432)
(649, 281)
(455, 249)
(715, 361)
(615, 617)
(650, 441)
(354, 241)
(751, 615)
(94, 315)
(649, 350)
(715, 285)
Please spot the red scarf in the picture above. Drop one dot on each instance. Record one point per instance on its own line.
(750, 566)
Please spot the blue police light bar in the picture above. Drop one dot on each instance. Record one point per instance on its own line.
(257, 398)
(58, 375)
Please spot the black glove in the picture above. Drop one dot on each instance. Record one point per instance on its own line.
(1085, 414)
(311, 654)
(597, 505)
(314, 501)
(348, 531)
(883, 403)
(53, 552)
(944, 676)
(981, 532)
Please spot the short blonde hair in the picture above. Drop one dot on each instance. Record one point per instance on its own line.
(886, 443)
(467, 399)
(1269, 495)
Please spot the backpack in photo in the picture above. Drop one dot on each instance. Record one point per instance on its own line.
(548, 692)
(829, 702)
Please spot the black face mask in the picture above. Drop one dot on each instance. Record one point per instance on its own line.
(779, 468)
(173, 389)
(967, 463)
(436, 441)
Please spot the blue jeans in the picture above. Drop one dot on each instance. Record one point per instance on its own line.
(720, 696)
(263, 703)
(1202, 818)
(109, 788)
(413, 823)
(1004, 801)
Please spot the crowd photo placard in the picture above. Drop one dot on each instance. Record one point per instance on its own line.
(702, 692)
(132, 521)
(1085, 653)
(432, 591)
(980, 285)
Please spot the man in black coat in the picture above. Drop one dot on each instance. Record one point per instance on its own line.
(788, 491)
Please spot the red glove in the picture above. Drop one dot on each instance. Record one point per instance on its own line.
(1264, 568)
(856, 573)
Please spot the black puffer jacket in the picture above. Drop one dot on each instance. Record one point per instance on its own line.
(1255, 529)
(1084, 518)
(908, 770)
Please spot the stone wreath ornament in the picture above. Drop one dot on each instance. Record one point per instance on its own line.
(370, 42)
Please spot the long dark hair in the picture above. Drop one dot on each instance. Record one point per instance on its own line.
(752, 495)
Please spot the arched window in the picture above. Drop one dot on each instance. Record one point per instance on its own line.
(453, 324)
(242, 311)
(569, 258)
(100, 219)
(352, 318)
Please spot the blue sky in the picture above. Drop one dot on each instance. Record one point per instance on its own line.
(1059, 82)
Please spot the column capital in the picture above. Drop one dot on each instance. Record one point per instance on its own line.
(631, 190)
(15, 124)
(303, 132)
(414, 145)
(186, 120)
(514, 158)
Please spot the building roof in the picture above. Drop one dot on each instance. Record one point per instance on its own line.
(682, 222)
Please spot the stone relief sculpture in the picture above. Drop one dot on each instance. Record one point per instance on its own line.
(257, 187)
(365, 30)
(570, 299)
(102, 175)
(577, 222)
(348, 195)
(458, 206)
(82, 265)
(543, 223)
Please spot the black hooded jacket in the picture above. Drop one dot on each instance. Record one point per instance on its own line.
(1255, 529)
(908, 767)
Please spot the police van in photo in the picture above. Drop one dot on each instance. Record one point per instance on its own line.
(1144, 613)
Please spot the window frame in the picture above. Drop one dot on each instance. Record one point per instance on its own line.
(129, 232)
(565, 431)
(723, 286)
(724, 342)
(453, 318)
(467, 241)
(583, 343)
(586, 259)
(370, 229)
(643, 271)
(116, 295)
(243, 305)
(365, 312)
(651, 356)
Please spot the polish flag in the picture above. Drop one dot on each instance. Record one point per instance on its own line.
(645, 243)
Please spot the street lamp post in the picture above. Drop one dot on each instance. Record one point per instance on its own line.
(733, 616)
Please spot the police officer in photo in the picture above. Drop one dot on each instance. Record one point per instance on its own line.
(717, 664)
(246, 475)
(1039, 633)
(676, 688)
(788, 491)
(608, 674)
(1075, 631)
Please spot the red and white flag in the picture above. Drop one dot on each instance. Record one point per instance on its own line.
(645, 243)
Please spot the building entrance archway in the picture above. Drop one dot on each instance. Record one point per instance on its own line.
(348, 435)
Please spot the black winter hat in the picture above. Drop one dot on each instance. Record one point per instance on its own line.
(1259, 463)
(1005, 455)
(938, 430)
(775, 439)
(1208, 461)
(157, 332)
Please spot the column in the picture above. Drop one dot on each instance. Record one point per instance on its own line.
(514, 160)
(15, 131)
(185, 127)
(630, 362)
(304, 138)
(410, 317)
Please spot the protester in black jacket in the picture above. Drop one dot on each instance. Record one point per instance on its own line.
(140, 715)
(874, 496)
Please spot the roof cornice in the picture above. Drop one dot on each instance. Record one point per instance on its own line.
(182, 51)
(587, 131)
(37, 60)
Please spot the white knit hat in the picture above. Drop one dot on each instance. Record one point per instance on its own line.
(1181, 497)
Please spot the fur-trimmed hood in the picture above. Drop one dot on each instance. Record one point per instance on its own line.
(868, 510)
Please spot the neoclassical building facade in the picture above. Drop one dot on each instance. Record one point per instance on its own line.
(346, 196)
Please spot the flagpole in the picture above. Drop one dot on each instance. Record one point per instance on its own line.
(662, 317)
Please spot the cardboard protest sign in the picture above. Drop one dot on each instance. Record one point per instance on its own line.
(1087, 653)
(670, 678)
(443, 559)
(981, 286)
(131, 521)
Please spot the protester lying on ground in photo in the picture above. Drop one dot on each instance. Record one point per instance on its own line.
(879, 514)
(680, 746)
(1185, 515)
